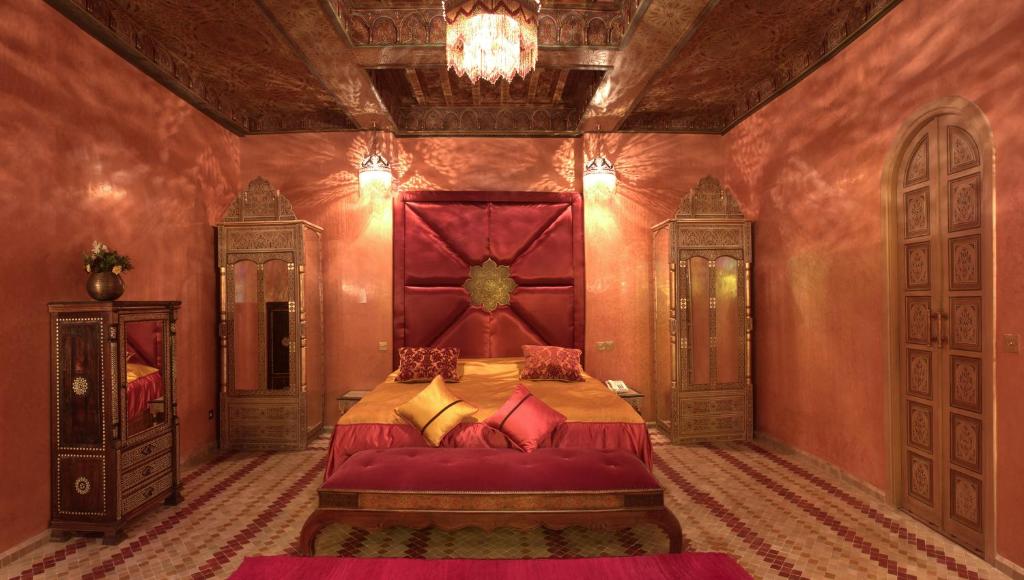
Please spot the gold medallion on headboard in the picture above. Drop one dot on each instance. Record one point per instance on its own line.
(490, 285)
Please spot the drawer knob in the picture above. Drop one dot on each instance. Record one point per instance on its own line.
(148, 492)
(147, 449)
(147, 470)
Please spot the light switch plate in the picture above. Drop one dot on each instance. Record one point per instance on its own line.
(1011, 343)
(382, 346)
(605, 345)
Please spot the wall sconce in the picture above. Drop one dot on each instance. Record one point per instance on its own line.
(375, 172)
(599, 176)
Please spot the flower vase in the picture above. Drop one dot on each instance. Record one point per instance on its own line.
(105, 286)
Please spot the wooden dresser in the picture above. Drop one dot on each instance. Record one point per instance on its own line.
(114, 425)
(702, 388)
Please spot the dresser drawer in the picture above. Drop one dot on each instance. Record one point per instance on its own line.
(155, 488)
(144, 452)
(143, 472)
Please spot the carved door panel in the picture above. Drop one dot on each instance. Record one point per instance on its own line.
(966, 288)
(920, 364)
(945, 284)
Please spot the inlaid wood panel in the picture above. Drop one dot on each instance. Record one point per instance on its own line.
(917, 213)
(965, 321)
(965, 382)
(965, 499)
(964, 263)
(963, 153)
(919, 426)
(918, 266)
(919, 373)
(919, 313)
(918, 167)
(965, 203)
(965, 442)
(920, 482)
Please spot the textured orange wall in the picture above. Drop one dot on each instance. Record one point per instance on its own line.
(93, 149)
(317, 172)
(809, 166)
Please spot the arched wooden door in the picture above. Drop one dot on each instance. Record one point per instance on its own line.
(942, 429)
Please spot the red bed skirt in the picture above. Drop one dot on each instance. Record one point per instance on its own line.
(349, 439)
(661, 567)
(141, 391)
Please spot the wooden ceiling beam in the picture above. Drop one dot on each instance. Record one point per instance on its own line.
(318, 40)
(414, 82)
(662, 31)
(420, 56)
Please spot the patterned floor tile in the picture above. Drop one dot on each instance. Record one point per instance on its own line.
(778, 515)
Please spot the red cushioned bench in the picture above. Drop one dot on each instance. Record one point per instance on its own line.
(490, 488)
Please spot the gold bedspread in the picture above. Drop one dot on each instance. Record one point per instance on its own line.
(487, 383)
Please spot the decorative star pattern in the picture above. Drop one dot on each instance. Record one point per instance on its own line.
(490, 285)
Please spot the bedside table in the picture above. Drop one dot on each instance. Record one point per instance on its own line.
(633, 398)
(350, 398)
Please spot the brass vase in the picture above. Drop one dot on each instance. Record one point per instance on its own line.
(105, 286)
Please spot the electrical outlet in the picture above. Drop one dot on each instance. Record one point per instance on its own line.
(1011, 343)
(382, 346)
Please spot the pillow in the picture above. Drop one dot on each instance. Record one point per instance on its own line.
(551, 363)
(435, 411)
(525, 419)
(419, 365)
(135, 371)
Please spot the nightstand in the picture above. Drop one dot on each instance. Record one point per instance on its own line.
(350, 398)
(634, 399)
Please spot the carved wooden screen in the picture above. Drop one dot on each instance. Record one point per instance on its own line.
(945, 279)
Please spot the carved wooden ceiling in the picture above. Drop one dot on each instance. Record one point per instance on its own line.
(266, 66)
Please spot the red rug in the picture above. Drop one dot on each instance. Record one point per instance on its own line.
(706, 566)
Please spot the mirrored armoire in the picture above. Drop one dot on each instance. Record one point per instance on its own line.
(702, 388)
(113, 414)
(271, 323)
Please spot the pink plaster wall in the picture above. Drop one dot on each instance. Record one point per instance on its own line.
(317, 172)
(93, 149)
(808, 166)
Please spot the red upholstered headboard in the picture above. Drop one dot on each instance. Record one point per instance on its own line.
(438, 236)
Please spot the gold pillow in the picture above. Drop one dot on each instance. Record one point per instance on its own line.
(435, 411)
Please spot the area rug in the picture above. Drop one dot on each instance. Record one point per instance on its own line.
(703, 566)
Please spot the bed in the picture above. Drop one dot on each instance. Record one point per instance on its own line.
(439, 238)
(596, 417)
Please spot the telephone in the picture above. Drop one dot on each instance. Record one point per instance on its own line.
(617, 387)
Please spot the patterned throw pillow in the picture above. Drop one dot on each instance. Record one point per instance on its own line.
(525, 420)
(551, 363)
(419, 365)
(435, 411)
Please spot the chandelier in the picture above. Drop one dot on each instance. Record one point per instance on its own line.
(491, 39)
(375, 172)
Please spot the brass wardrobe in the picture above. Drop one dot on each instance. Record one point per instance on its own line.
(271, 323)
(702, 388)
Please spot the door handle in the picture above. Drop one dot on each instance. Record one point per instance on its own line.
(933, 329)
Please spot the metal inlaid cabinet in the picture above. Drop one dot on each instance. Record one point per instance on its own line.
(114, 439)
(702, 387)
(271, 323)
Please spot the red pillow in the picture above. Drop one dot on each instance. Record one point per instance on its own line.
(551, 363)
(525, 419)
(417, 365)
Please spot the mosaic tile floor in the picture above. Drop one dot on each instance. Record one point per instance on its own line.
(777, 515)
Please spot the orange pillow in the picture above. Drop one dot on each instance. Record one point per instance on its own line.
(435, 411)
(551, 363)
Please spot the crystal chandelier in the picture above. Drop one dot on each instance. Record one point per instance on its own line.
(599, 176)
(375, 172)
(491, 39)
